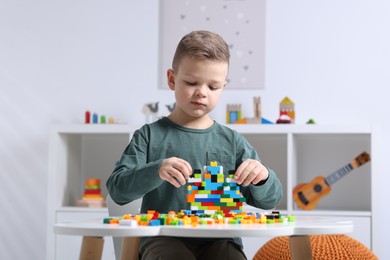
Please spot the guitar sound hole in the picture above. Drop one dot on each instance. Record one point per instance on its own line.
(317, 188)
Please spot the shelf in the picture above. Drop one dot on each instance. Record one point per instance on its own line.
(81, 129)
(324, 154)
(297, 153)
(333, 213)
(300, 129)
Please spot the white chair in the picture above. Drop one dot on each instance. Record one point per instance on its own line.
(125, 248)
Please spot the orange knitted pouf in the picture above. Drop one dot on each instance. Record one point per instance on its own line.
(322, 247)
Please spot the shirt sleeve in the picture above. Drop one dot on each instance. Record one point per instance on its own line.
(134, 176)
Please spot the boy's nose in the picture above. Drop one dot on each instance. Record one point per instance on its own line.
(201, 91)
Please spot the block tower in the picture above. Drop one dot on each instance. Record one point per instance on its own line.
(92, 196)
(213, 192)
(286, 107)
(233, 113)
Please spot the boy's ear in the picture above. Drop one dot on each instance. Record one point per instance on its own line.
(171, 79)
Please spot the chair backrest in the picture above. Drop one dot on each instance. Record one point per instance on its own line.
(116, 210)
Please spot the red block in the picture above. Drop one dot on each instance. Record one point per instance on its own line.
(88, 191)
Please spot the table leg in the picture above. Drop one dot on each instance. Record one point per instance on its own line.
(300, 247)
(130, 248)
(91, 248)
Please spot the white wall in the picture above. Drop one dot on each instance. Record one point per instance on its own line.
(60, 58)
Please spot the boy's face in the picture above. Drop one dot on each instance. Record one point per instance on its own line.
(198, 85)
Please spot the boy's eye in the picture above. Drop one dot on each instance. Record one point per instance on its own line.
(213, 88)
(189, 83)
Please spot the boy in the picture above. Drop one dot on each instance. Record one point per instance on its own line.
(162, 155)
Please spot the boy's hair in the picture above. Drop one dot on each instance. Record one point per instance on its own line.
(202, 45)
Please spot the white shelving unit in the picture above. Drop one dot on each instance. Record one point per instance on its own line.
(78, 152)
(297, 153)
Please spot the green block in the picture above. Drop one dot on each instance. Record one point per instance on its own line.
(203, 222)
(106, 220)
(270, 221)
(92, 187)
(163, 221)
(174, 222)
(291, 218)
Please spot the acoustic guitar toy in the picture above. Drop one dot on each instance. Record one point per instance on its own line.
(307, 195)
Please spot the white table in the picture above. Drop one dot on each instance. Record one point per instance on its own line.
(298, 231)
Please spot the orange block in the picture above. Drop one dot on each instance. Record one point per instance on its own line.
(92, 182)
(190, 197)
(194, 219)
(114, 221)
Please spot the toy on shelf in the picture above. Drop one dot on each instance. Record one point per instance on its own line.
(150, 110)
(92, 196)
(234, 114)
(307, 195)
(286, 112)
(94, 119)
(213, 192)
(171, 107)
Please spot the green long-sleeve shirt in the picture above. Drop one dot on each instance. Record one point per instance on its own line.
(137, 176)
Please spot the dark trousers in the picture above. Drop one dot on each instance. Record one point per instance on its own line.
(172, 248)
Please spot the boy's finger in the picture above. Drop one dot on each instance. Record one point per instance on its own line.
(179, 177)
(240, 169)
(239, 176)
(184, 168)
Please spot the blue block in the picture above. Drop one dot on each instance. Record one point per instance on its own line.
(154, 222)
(213, 169)
(206, 200)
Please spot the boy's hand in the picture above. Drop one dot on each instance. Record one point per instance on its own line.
(175, 171)
(250, 171)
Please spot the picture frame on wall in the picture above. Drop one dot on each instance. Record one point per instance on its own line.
(240, 22)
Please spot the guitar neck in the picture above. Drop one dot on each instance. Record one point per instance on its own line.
(357, 162)
(337, 175)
